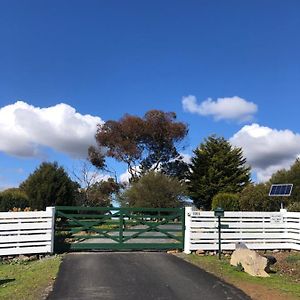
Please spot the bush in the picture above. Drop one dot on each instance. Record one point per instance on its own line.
(295, 206)
(256, 198)
(13, 198)
(154, 190)
(228, 201)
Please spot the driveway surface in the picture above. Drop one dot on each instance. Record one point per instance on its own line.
(140, 239)
(137, 276)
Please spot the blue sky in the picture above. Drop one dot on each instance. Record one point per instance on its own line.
(107, 58)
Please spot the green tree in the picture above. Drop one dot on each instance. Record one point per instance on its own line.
(216, 167)
(292, 175)
(148, 143)
(49, 185)
(228, 201)
(13, 198)
(154, 190)
(93, 192)
(294, 206)
(255, 197)
(99, 193)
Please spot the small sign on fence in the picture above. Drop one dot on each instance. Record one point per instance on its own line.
(276, 219)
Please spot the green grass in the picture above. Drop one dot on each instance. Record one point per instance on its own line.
(276, 281)
(27, 280)
(293, 259)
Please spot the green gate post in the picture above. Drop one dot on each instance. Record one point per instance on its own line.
(219, 212)
(121, 222)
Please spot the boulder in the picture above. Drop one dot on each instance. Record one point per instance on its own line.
(253, 263)
(240, 245)
(200, 252)
(173, 251)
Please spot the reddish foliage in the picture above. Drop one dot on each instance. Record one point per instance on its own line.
(147, 141)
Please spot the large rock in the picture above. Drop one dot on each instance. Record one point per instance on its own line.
(200, 252)
(253, 263)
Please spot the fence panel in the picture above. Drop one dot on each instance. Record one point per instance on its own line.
(258, 230)
(27, 232)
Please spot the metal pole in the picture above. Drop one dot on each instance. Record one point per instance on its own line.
(219, 227)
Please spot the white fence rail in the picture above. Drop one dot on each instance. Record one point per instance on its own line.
(258, 230)
(27, 232)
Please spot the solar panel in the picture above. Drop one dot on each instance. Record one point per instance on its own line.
(281, 190)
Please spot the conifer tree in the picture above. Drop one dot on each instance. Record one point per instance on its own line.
(216, 167)
(49, 185)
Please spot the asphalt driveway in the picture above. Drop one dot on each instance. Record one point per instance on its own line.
(138, 276)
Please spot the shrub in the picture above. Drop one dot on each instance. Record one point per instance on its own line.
(295, 206)
(256, 198)
(154, 190)
(228, 201)
(13, 198)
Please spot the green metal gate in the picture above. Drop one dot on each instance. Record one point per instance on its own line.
(111, 228)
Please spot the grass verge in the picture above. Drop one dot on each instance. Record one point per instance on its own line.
(277, 286)
(28, 280)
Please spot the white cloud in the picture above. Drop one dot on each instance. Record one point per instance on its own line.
(267, 150)
(186, 157)
(25, 130)
(231, 108)
(125, 177)
(98, 177)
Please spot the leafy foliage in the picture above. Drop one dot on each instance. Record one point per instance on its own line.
(99, 194)
(256, 198)
(148, 142)
(13, 198)
(291, 175)
(49, 185)
(294, 206)
(177, 168)
(154, 190)
(216, 167)
(96, 157)
(228, 201)
(93, 191)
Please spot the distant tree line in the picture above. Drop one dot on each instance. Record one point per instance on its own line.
(218, 174)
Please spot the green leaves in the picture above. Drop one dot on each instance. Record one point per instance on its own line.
(13, 198)
(49, 185)
(216, 167)
(291, 175)
(154, 190)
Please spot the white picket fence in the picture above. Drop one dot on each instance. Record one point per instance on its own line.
(27, 232)
(258, 230)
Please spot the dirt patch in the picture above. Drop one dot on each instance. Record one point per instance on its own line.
(288, 264)
(259, 292)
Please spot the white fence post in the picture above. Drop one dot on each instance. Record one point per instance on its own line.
(52, 210)
(187, 233)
